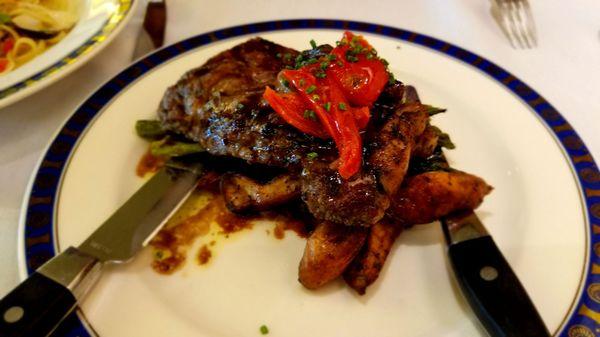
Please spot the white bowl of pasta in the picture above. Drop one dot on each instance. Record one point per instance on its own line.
(41, 41)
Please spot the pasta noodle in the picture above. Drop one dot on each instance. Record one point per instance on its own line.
(29, 27)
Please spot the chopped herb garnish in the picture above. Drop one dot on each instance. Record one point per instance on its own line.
(301, 82)
(369, 56)
(287, 57)
(285, 83)
(311, 88)
(391, 79)
(324, 65)
(385, 62)
(342, 106)
(316, 97)
(309, 114)
(320, 74)
(240, 106)
(327, 106)
(340, 63)
(264, 329)
(311, 60)
(278, 55)
(4, 18)
(312, 155)
(431, 110)
(331, 57)
(313, 44)
(299, 58)
(289, 67)
(352, 58)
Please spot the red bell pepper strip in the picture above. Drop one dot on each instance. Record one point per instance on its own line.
(350, 143)
(291, 107)
(363, 79)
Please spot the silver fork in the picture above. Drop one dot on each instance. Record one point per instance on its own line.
(516, 21)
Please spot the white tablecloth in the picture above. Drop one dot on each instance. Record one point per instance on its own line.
(564, 68)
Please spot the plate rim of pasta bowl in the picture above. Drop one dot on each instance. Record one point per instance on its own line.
(39, 229)
(100, 22)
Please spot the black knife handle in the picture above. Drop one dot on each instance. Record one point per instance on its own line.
(35, 307)
(494, 291)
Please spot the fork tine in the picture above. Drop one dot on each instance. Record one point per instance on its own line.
(528, 21)
(511, 23)
(515, 23)
(521, 23)
(500, 14)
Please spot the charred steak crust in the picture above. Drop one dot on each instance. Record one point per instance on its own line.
(220, 106)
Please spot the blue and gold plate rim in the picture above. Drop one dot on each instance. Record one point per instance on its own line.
(38, 212)
(33, 83)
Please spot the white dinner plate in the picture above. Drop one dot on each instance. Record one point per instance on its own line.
(100, 21)
(541, 213)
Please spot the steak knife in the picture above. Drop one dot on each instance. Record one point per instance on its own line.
(488, 282)
(46, 297)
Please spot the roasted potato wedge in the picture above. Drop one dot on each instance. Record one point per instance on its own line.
(429, 196)
(329, 250)
(365, 267)
(394, 144)
(426, 143)
(244, 194)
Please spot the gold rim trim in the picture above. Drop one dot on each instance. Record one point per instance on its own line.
(123, 8)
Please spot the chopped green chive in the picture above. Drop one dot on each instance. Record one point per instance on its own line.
(324, 65)
(309, 114)
(285, 83)
(301, 82)
(287, 57)
(327, 106)
(312, 155)
(352, 58)
(311, 88)
(311, 60)
(289, 67)
(385, 62)
(340, 63)
(264, 329)
(331, 57)
(342, 106)
(391, 79)
(299, 58)
(313, 44)
(320, 75)
(278, 55)
(369, 56)
(316, 97)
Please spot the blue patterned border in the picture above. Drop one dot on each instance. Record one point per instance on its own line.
(585, 320)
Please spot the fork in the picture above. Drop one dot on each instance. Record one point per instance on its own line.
(516, 21)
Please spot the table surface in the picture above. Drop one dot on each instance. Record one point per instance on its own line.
(564, 68)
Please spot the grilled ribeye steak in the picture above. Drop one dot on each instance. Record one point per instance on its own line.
(220, 106)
